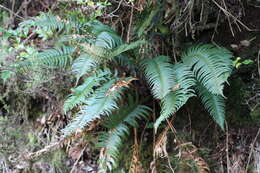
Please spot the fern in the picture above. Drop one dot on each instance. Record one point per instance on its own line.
(173, 84)
(118, 125)
(96, 27)
(45, 21)
(99, 53)
(48, 22)
(94, 55)
(48, 58)
(215, 104)
(108, 40)
(99, 104)
(125, 47)
(211, 66)
(159, 73)
(83, 64)
(56, 57)
(180, 92)
(81, 92)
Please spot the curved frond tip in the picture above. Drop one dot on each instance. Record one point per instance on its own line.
(159, 73)
(211, 66)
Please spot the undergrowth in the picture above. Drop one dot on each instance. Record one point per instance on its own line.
(92, 78)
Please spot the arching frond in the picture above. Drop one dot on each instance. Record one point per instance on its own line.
(214, 104)
(211, 66)
(118, 125)
(126, 61)
(81, 92)
(99, 104)
(49, 22)
(125, 47)
(45, 20)
(55, 57)
(97, 27)
(108, 40)
(180, 92)
(159, 73)
(95, 51)
(83, 64)
(96, 54)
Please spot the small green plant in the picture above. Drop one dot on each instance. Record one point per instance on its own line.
(238, 62)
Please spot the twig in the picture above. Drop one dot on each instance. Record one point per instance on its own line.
(1, 6)
(234, 18)
(216, 26)
(125, 4)
(81, 153)
(47, 149)
(13, 5)
(229, 22)
(112, 13)
(130, 24)
(28, 38)
(227, 148)
(251, 150)
(258, 63)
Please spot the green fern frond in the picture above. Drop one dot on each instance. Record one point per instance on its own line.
(118, 125)
(101, 103)
(128, 114)
(72, 25)
(210, 65)
(180, 92)
(99, 53)
(55, 57)
(108, 40)
(213, 103)
(83, 64)
(126, 61)
(96, 27)
(125, 47)
(96, 54)
(226, 55)
(159, 73)
(147, 22)
(81, 93)
(45, 20)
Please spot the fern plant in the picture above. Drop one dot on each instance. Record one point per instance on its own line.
(118, 128)
(203, 67)
(88, 50)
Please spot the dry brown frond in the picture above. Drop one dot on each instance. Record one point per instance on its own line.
(57, 145)
(120, 84)
(136, 166)
(189, 152)
(160, 144)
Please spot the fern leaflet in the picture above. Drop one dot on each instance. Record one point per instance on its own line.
(117, 124)
(81, 93)
(209, 64)
(159, 73)
(55, 57)
(213, 103)
(180, 92)
(96, 106)
(83, 64)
